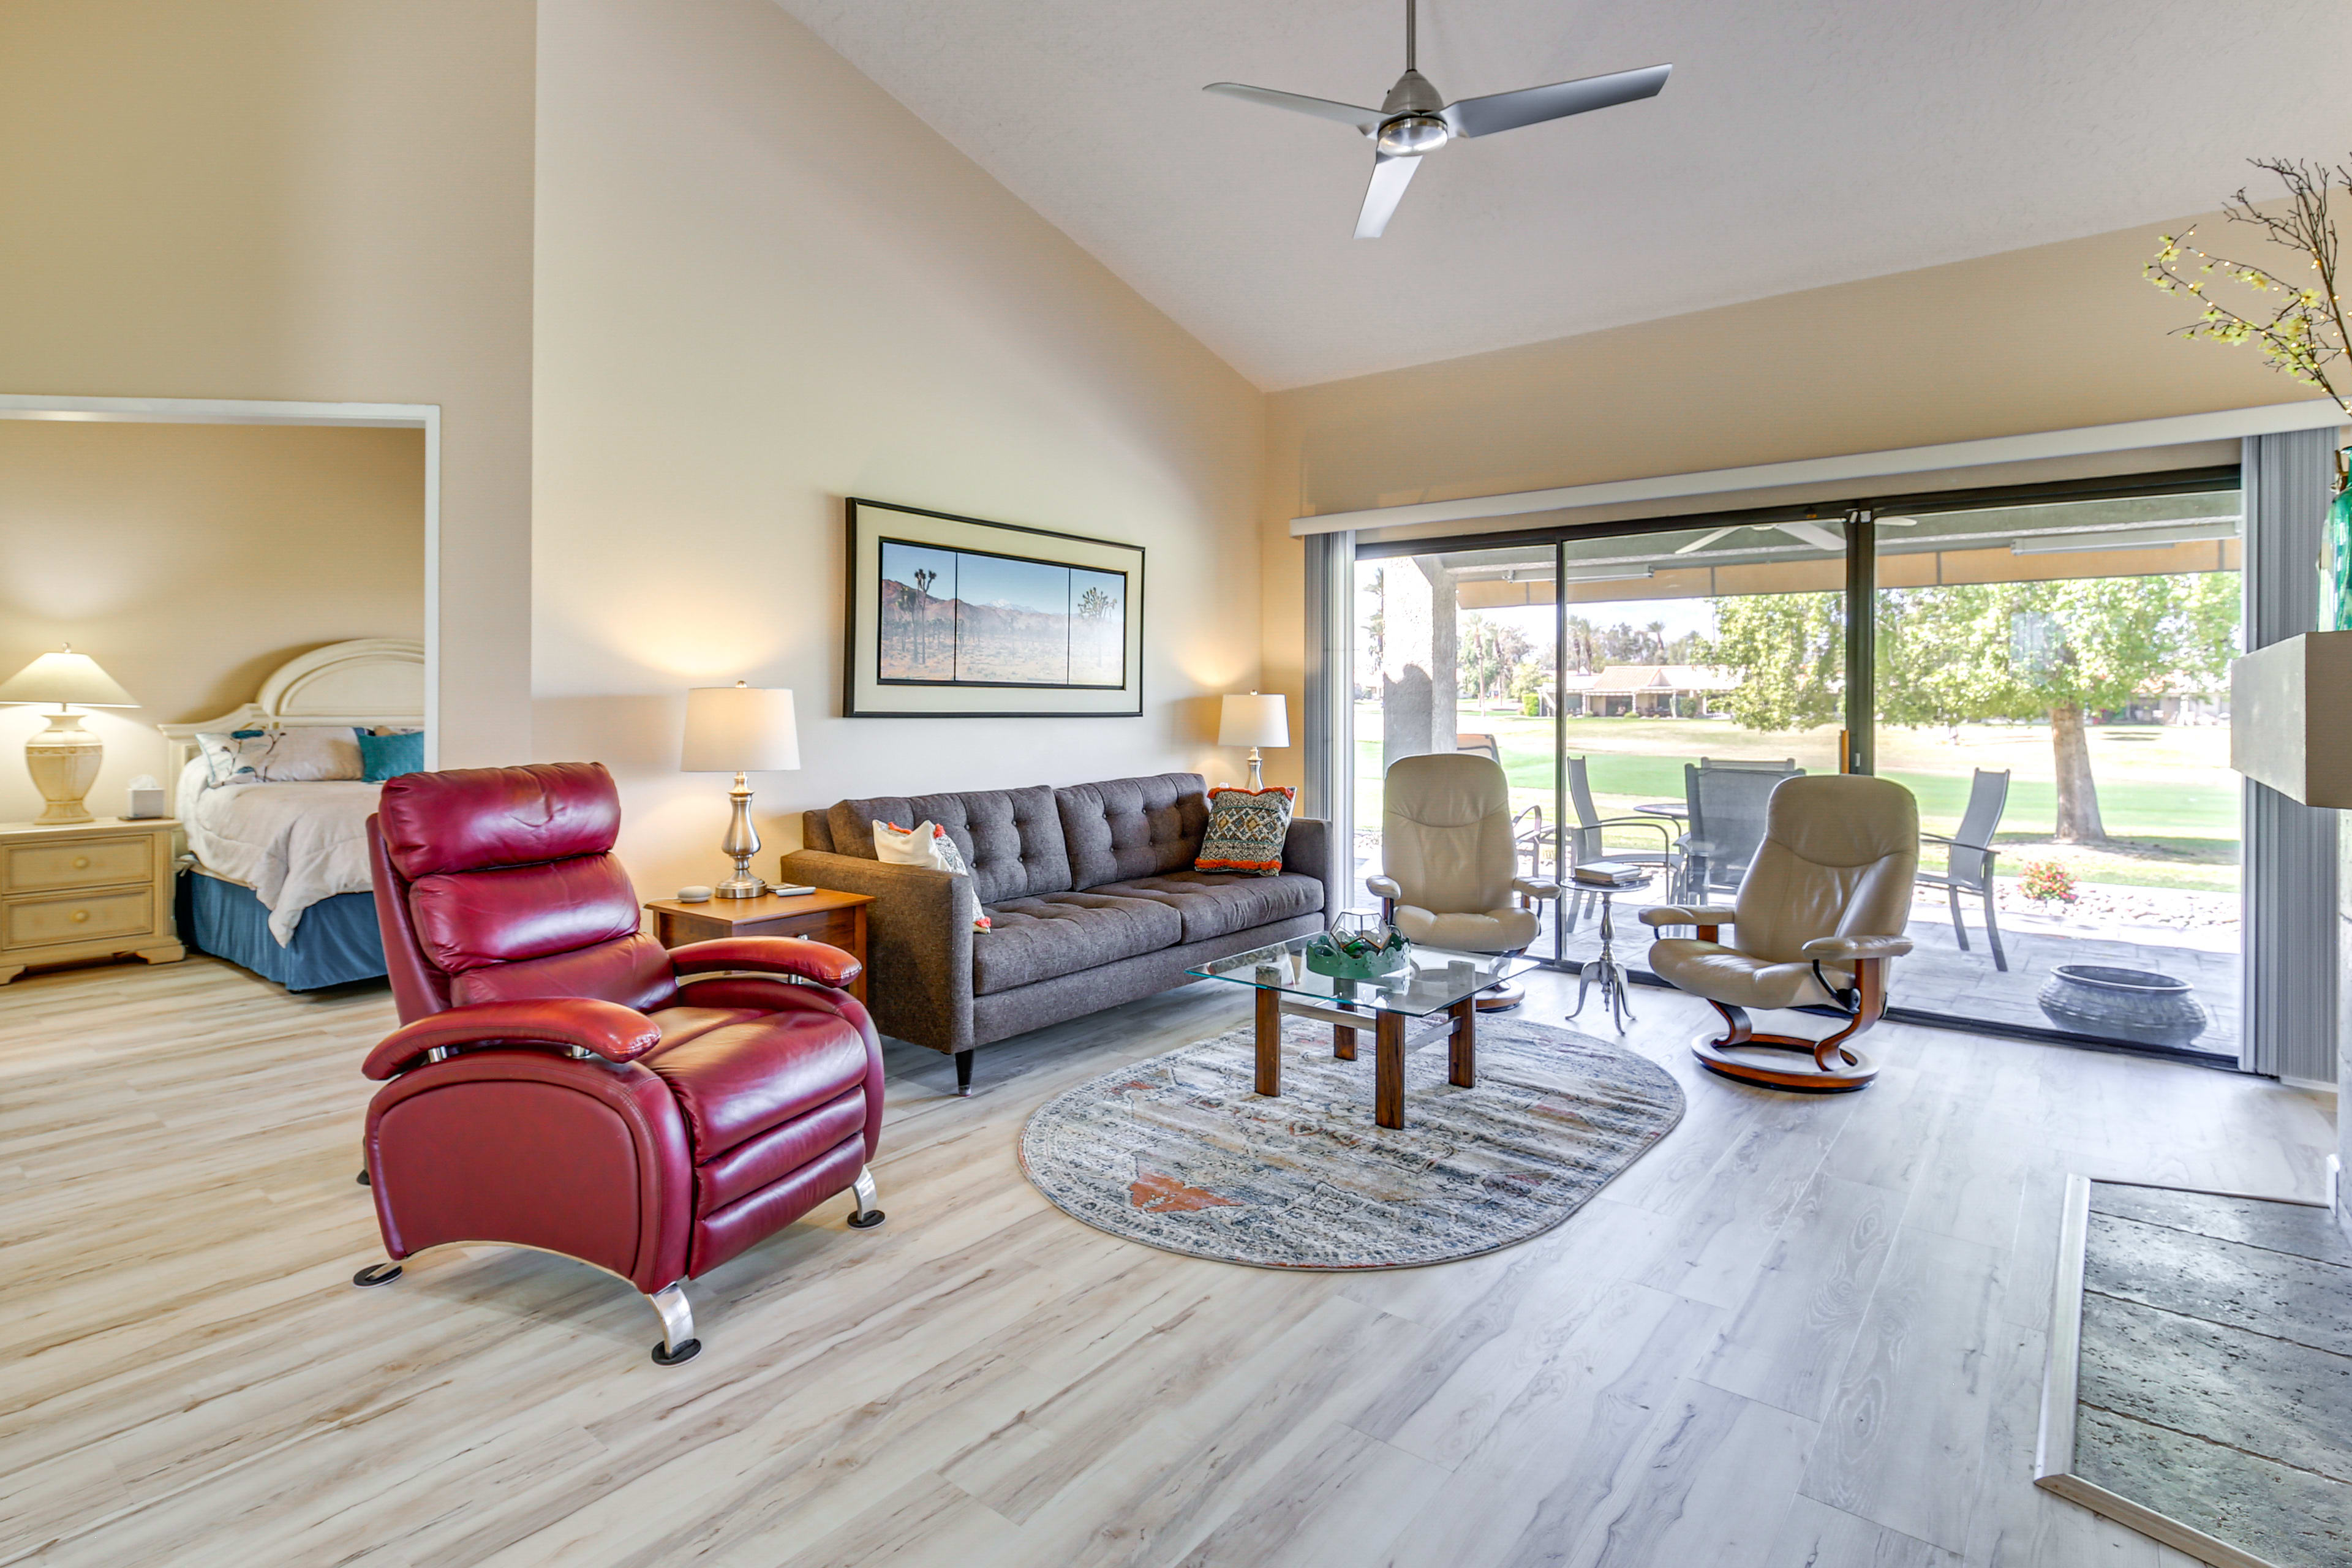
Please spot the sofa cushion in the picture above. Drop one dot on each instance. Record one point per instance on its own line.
(1216, 905)
(1012, 838)
(1060, 934)
(1124, 828)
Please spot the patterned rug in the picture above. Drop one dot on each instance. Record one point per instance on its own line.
(1179, 1152)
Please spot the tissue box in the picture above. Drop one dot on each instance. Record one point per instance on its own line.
(146, 801)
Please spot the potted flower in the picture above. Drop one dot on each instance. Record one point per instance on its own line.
(2050, 885)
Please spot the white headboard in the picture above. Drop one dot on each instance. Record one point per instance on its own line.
(368, 681)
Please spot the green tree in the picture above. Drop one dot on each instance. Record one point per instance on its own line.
(1789, 651)
(1487, 653)
(2059, 650)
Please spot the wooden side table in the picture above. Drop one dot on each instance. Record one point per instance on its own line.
(837, 919)
(88, 889)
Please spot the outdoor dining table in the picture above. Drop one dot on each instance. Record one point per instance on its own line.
(1674, 809)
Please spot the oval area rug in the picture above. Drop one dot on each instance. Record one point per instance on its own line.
(1179, 1152)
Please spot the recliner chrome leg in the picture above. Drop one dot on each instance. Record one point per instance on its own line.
(864, 1195)
(678, 1342)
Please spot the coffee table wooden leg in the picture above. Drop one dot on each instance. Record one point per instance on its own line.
(1387, 1079)
(1343, 1042)
(1463, 1052)
(1269, 1041)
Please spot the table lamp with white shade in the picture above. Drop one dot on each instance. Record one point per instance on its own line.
(1254, 720)
(741, 729)
(63, 758)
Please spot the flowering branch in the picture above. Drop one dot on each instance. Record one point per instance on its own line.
(2306, 334)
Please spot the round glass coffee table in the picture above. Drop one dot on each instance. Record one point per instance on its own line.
(1604, 969)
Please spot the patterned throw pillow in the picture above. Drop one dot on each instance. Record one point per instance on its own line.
(1246, 830)
(926, 844)
(301, 753)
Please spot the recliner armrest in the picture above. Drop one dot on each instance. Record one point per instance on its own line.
(816, 961)
(1689, 915)
(1535, 888)
(1847, 948)
(616, 1033)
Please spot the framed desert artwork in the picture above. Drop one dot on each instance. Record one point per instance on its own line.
(953, 618)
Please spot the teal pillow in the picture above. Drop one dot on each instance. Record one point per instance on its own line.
(386, 757)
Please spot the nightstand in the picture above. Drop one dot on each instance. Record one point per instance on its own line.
(95, 889)
(837, 919)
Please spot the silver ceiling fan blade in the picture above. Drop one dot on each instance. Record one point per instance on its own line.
(1813, 533)
(1390, 177)
(1534, 105)
(1364, 120)
(1703, 541)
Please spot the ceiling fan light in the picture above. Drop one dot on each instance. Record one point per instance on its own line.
(1410, 135)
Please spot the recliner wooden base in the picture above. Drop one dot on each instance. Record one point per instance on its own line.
(1852, 1069)
(1837, 1067)
(1502, 998)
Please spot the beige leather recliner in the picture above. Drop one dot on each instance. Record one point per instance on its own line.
(1819, 913)
(1449, 863)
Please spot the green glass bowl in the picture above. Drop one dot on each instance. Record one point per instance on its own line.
(1326, 958)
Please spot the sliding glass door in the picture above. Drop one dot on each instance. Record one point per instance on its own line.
(2048, 675)
(2053, 684)
(1695, 665)
(1454, 650)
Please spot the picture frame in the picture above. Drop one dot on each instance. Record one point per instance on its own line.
(959, 617)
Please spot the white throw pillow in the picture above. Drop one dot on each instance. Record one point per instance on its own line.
(302, 753)
(926, 844)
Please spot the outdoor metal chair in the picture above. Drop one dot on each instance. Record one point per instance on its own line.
(1480, 745)
(1585, 842)
(1969, 860)
(1727, 801)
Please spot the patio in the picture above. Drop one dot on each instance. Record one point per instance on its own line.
(1940, 979)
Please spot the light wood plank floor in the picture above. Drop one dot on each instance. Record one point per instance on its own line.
(1801, 1331)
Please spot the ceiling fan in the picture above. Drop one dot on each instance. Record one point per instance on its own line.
(1413, 120)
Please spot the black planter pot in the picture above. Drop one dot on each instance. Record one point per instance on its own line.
(2137, 1005)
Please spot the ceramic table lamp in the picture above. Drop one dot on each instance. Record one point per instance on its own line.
(1254, 720)
(64, 757)
(741, 729)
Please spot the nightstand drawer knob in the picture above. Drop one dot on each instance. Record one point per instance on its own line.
(81, 862)
(80, 915)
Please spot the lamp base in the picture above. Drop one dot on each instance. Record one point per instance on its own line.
(63, 760)
(743, 842)
(745, 886)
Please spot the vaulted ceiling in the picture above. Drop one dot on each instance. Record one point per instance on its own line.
(1797, 144)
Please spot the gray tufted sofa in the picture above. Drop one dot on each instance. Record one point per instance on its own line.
(1090, 889)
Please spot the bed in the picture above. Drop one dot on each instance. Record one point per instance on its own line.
(276, 876)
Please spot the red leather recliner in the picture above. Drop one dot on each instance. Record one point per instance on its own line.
(561, 1081)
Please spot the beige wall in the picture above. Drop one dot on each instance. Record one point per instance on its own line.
(191, 561)
(2050, 338)
(317, 200)
(763, 285)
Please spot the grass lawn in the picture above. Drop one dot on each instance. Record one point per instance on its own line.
(2166, 792)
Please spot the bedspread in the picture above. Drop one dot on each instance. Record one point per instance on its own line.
(293, 843)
